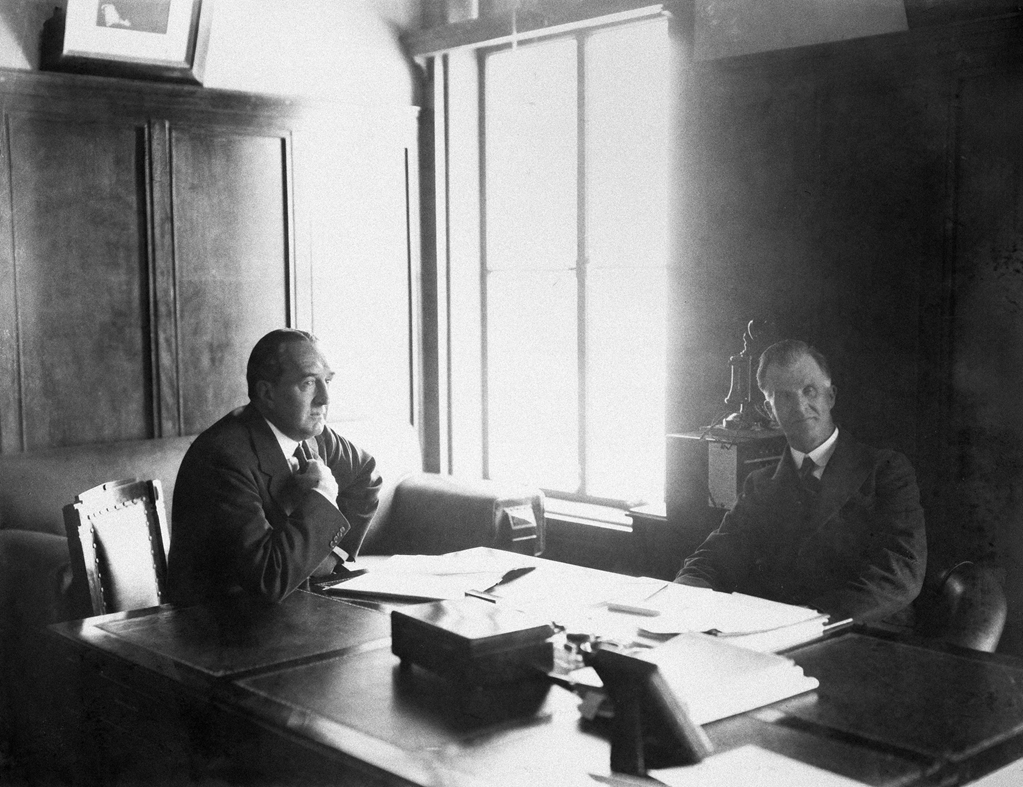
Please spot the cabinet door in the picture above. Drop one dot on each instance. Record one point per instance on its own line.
(232, 260)
(78, 322)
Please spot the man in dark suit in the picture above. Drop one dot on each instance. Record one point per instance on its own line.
(836, 526)
(270, 495)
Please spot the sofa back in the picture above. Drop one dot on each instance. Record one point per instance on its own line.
(36, 485)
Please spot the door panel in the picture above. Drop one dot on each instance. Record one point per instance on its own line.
(232, 261)
(80, 273)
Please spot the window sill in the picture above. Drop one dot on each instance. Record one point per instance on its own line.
(570, 511)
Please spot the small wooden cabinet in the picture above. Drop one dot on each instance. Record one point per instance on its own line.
(706, 469)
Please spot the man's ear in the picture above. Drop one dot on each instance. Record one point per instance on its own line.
(264, 393)
(834, 394)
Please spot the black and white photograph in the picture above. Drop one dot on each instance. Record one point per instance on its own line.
(145, 16)
(155, 39)
(511, 393)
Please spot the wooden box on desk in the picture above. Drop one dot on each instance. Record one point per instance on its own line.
(471, 641)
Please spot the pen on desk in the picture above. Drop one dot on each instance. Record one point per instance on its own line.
(507, 577)
(634, 609)
(831, 626)
(481, 595)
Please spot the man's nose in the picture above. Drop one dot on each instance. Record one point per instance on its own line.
(322, 393)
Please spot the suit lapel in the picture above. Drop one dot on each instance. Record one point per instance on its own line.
(846, 471)
(272, 463)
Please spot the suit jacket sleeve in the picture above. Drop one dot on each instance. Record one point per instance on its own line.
(865, 561)
(358, 486)
(241, 521)
(725, 554)
(889, 571)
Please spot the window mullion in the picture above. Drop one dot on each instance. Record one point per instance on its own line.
(581, 255)
(484, 350)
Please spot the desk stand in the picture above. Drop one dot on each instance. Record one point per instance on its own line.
(651, 725)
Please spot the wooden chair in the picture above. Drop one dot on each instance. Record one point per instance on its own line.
(965, 607)
(117, 536)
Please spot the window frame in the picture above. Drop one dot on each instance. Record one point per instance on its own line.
(442, 68)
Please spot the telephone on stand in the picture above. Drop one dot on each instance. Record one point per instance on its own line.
(741, 391)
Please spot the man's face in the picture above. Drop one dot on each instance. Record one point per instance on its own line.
(801, 398)
(297, 403)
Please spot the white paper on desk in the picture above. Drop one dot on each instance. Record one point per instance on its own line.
(685, 608)
(382, 583)
(577, 598)
(750, 766)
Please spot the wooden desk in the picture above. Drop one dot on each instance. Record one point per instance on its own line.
(308, 692)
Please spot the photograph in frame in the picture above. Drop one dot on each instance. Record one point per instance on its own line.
(154, 39)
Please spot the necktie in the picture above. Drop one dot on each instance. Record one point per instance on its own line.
(810, 481)
(302, 456)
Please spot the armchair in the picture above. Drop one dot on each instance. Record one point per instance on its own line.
(966, 606)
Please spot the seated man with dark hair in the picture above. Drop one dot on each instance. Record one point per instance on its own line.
(836, 526)
(270, 495)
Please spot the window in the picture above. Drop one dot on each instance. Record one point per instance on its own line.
(572, 188)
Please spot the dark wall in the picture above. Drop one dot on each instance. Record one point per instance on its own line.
(866, 196)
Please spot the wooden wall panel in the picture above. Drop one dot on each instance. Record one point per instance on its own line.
(985, 477)
(80, 267)
(232, 261)
(10, 387)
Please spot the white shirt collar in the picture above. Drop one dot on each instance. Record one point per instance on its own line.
(287, 445)
(820, 455)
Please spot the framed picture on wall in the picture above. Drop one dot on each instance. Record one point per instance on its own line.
(155, 39)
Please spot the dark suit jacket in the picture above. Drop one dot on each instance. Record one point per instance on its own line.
(239, 520)
(857, 550)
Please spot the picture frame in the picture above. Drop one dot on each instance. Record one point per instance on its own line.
(150, 39)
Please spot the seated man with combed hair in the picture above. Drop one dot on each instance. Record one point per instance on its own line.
(270, 495)
(836, 526)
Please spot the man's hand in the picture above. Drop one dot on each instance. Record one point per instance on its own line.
(317, 476)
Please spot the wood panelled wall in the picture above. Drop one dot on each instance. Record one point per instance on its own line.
(149, 234)
(867, 196)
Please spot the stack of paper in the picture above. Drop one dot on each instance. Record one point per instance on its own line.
(751, 622)
(717, 679)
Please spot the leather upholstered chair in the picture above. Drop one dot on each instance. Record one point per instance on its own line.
(965, 607)
(117, 536)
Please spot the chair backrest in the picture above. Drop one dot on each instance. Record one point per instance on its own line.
(967, 607)
(117, 536)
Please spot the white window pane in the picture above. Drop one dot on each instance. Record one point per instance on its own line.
(627, 120)
(532, 378)
(531, 157)
(626, 356)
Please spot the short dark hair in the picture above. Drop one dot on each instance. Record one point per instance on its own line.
(265, 360)
(786, 352)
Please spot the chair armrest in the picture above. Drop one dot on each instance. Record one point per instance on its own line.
(431, 514)
(35, 580)
(968, 608)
